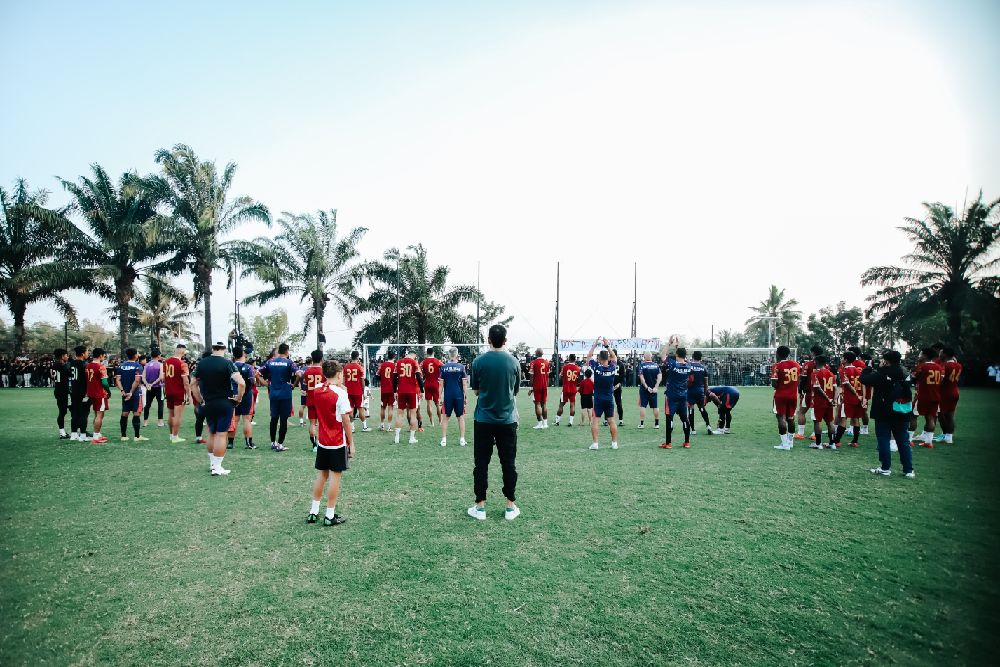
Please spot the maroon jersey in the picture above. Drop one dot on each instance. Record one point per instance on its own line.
(850, 376)
(96, 374)
(787, 374)
(354, 379)
(824, 384)
(570, 375)
(431, 368)
(407, 371)
(952, 372)
(540, 373)
(385, 372)
(312, 378)
(929, 376)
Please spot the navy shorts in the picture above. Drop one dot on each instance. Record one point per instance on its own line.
(281, 407)
(219, 415)
(454, 405)
(696, 398)
(133, 404)
(246, 406)
(677, 406)
(604, 407)
(302, 398)
(647, 399)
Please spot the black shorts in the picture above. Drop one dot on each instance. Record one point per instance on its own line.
(62, 400)
(586, 401)
(331, 459)
(219, 415)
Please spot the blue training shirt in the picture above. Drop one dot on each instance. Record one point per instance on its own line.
(649, 370)
(698, 376)
(249, 376)
(452, 373)
(677, 374)
(722, 392)
(604, 380)
(127, 371)
(280, 371)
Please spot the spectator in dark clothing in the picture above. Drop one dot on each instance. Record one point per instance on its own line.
(890, 406)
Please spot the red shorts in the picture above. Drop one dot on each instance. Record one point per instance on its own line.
(852, 411)
(388, 398)
(869, 391)
(356, 400)
(541, 394)
(925, 408)
(785, 406)
(569, 397)
(432, 393)
(174, 401)
(806, 401)
(100, 403)
(948, 403)
(313, 413)
(406, 401)
(823, 414)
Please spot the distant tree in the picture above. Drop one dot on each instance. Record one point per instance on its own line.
(787, 324)
(834, 328)
(161, 307)
(520, 349)
(952, 268)
(267, 331)
(31, 238)
(731, 338)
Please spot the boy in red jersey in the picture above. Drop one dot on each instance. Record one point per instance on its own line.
(785, 381)
(539, 373)
(824, 392)
(312, 377)
(587, 397)
(333, 412)
(407, 381)
(570, 375)
(949, 395)
(431, 368)
(354, 383)
(928, 375)
(806, 392)
(175, 389)
(386, 371)
(852, 393)
(98, 391)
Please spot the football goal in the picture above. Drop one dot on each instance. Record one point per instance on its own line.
(374, 354)
(738, 366)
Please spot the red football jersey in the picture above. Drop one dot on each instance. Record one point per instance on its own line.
(385, 372)
(587, 386)
(787, 374)
(312, 378)
(807, 371)
(851, 375)
(354, 379)
(432, 371)
(330, 403)
(824, 384)
(929, 376)
(952, 372)
(570, 375)
(96, 374)
(174, 372)
(407, 370)
(540, 373)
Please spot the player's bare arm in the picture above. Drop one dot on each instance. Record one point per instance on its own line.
(241, 386)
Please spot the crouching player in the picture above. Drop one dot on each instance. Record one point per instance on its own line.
(333, 412)
(725, 398)
(455, 380)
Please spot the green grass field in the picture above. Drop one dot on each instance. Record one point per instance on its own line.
(728, 554)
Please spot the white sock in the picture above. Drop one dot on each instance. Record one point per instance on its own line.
(314, 508)
(398, 430)
(614, 442)
(928, 436)
(213, 461)
(62, 431)
(595, 444)
(557, 420)
(364, 423)
(218, 460)
(571, 420)
(545, 422)
(330, 511)
(97, 434)
(802, 430)
(947, 438)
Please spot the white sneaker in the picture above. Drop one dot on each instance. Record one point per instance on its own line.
(413, 441)
(893, 447)
(444, 442)
(783, 447)
(641, 426)
(477, 512)
(879, 471)
(910, 475)
(614, 445)
(864, 430)
(462, 442)
(253, 423)
(694, 432)
(539, 425)
(219, 470)
(365, 429)
(833, 446)
(512, 513)
(594, 446)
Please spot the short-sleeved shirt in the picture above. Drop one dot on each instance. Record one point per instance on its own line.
(407, 370)
(174, 370)
(78, 378)
(127, 372)
(851, 375)
(824, 384)
(280, 373)
(61, 374)
(153, 374)
(604, 379)
(952, 372)
(330, 403)
(431, 368)
(96, 374)
(496, 376)
(649, 370)
(929, 376)
(540, 373)
(312, 377)
(698, 377)
(354, 379)
(587, 386)
(385, 372)
(453, 373)
(570, 374)
(787, 374)
(677, 374)
(215, 377)
(726, 391)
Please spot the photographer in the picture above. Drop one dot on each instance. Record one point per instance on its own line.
(891, 406)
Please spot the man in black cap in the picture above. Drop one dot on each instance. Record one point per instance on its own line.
(216, 379)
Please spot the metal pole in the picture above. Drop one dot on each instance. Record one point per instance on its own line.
(398, 282)
(555, 341)
(635, 295)
(713, 336)
(479, 296)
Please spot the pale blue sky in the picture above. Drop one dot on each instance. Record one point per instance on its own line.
(507, 131)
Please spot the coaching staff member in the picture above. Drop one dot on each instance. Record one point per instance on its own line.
(221, 390)
(890, 408)
(494, 380)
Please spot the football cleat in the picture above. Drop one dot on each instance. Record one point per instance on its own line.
(641, 426)
(250, 446)
(879, 471)
(124, 438)
(939, 438)
(141, 438)
(99, 440)
(365, 429)
(280, 448)
(335, 521)
(686, 445)
(219, 471)
(311, 518)
(666, 445)
(783, 447)
(910, 475)
(595, 446)
(64, 436)
(799, 437)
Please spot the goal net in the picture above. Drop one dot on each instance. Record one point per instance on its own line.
(738, 366)
(374, 354)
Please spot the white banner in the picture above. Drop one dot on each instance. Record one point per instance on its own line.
(567, 345)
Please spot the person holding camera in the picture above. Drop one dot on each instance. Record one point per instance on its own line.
(891, 406)
(216, 377)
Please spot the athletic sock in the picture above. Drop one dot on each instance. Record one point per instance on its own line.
(123, 422)
(571, 420)
(802, 429)
(247, 441)
(840, 434)
(312, 440)
(364, 423)
(657, 423)
(211, 461)
(62, 431)
(331, 511)
(948, 438)
(641, 422)
(136, 422)
(928, 436)
(314, 507)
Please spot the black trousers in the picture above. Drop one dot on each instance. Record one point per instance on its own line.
(485, 438)
(618, 403)
(157, 393)
(62, 402)
(79, 414)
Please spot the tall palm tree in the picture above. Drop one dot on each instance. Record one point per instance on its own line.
(952, 267)
(31, 238)
(427, 306)
(307, 259)
(777, 312)
(201, 212)
(118, 248)
(161, 307)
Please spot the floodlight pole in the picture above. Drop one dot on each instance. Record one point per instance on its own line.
(635, 294)
(555, 341)
(479, 297)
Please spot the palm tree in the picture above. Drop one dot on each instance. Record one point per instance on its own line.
(427, 307)
(31, 237)
(774, 314)
(201, 210)
(307, 259)
(161, 307)
(119, 248)
(951, 268)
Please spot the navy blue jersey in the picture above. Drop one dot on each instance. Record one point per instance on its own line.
(732, 393)
(280, 372)
(698, 376)
(452, 374)
(604, 379)
(677, 376)
(649, 370)
(128, 371)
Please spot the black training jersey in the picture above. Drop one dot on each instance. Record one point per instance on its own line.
(60, 377)
(78, 378)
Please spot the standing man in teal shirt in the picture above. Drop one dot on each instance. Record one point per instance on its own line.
(495, 379)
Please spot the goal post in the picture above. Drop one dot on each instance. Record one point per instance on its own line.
(739, 366)
(372, 353)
